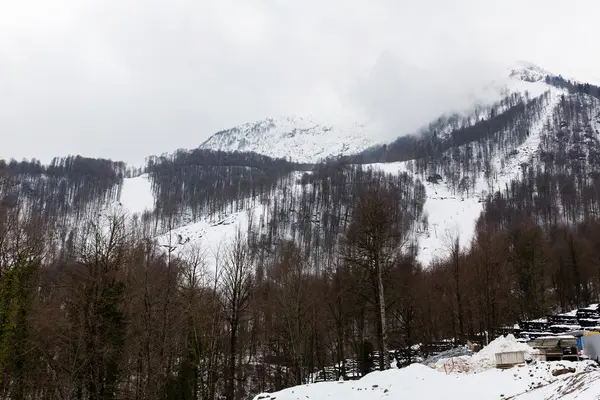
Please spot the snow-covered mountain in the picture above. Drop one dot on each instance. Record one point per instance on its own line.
(528, 72)
(449, 210)
(308, 140)
(298, 139)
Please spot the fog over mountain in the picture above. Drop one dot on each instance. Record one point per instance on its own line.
(81, 76)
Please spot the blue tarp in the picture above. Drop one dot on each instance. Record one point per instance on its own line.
(591, 346)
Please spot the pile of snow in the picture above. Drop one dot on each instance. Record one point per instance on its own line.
(453, 365)
(486, 358)
(537, 381)
(460, 361)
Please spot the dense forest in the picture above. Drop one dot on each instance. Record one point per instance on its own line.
(111, 315)
(326, 273)
(206, 182)
(67, 188)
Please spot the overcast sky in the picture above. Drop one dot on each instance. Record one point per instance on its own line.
(127, 78)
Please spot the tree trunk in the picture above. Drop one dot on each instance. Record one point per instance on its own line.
(233, 343)
(384, 356)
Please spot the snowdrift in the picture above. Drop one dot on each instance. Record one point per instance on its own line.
(536, 381)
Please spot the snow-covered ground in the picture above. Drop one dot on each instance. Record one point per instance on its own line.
(210, 238)
(420, 382)
(582, 386)
(480, 380)
(136, 194)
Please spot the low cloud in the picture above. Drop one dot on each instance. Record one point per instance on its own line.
(129, 78)
(399, 97)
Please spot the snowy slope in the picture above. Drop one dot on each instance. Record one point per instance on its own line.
(421, 382)
(465, 377)
(207, 236)
(136, 194)
(449, 214)
(452, 214)
(210, 238)
(296, 138)
(582, 386)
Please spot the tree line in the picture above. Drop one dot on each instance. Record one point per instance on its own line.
(68, 190)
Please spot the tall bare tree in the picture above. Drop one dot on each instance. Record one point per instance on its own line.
(374, 241)
(236, 289)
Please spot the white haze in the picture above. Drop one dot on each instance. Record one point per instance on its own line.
(125, 79)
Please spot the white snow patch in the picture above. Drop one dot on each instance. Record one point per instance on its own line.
(486, 357)
(136, 194)
(210, 237)
(449, 215)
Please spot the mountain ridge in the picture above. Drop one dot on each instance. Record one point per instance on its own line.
(308, 140)
(301, 139)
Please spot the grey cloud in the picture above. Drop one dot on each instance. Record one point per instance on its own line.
(125, 79)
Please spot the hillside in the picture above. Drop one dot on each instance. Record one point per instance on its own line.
(452, 204)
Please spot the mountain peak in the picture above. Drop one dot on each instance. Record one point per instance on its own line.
(301, 139)
(528, 72)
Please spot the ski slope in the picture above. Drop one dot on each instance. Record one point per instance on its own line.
(136, 194)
